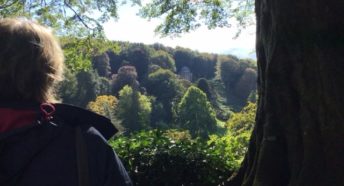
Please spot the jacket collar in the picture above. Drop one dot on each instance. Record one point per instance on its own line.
(71, 114)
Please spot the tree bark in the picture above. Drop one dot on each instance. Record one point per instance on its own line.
(299, 135)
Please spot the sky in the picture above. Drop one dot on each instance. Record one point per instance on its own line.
(132, 28)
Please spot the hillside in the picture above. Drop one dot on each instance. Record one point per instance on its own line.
(161, 73)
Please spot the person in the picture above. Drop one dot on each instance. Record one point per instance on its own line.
(43, 142)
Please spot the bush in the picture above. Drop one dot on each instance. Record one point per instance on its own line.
(173, 158)
(239, 129)
(242, 121)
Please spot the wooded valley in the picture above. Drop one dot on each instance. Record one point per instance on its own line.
(173, 107)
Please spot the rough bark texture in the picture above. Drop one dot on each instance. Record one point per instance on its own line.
(299, 133)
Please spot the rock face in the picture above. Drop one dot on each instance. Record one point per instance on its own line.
(299, 135)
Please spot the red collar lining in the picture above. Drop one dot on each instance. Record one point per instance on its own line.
(13, 118)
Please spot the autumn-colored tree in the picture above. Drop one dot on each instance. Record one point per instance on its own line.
(104, 105)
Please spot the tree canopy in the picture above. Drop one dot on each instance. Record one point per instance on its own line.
(196, 114)
(85, 17)
(184, 16)
(79, 18)
(133, 109)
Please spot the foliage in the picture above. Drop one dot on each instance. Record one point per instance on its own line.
(67, 89)
(164, 60)
(243, 121)
(153, 68)
(235, 145)
(253, 96)
(184, 16)
(158, 115)
(126, 75)
(88, 87)
(85, 18)
(79, 18)
(238, 78)
(178, 134)
(166, 87)
(204, 66)
(220, 105)
(104, 86)
(115, 61)
(161, 83)
(230, 71)
(101, 63)
(133, 109)
(138, 56)
(246, 84)
(183, 57)
(104, 105)
(76, 57)
(237, 75)
(240, 127)
(196, 114)
(203, 84)
(201, 64)
(159, 46)
(79, 52)
(172, 158)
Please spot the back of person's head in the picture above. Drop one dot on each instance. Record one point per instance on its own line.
(31, 61)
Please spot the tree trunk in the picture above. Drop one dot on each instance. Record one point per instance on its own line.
(299, 135)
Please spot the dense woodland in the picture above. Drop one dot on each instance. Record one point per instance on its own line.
(173, 106)
(163, 80)
(298, 131)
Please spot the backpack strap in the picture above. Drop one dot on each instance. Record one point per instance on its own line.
(81, 158)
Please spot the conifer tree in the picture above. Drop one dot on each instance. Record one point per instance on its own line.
(196, 114)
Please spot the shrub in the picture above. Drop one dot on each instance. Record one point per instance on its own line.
(173, 158)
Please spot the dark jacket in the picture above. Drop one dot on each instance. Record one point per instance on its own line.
(38, 147)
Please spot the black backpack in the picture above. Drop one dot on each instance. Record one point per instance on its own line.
(75, 118)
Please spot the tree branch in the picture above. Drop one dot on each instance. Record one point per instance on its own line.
(8, 5)
(77, 15)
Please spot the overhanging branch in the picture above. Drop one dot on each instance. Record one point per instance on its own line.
(77, 15)
(8, 4)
